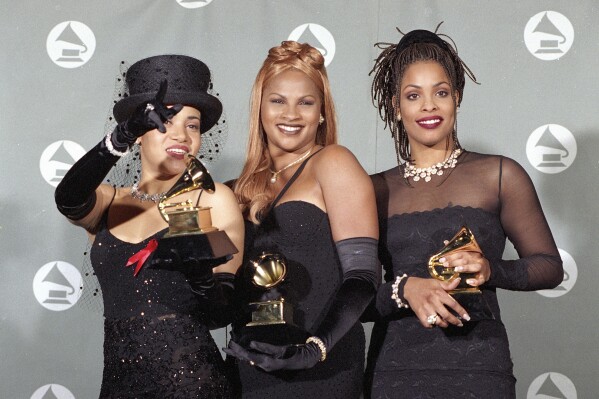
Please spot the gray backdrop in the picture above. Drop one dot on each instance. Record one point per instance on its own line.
(537, 64)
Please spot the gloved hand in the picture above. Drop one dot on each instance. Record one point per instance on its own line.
(359, 262)
(147, 116)
(276, 357)
(214, 291)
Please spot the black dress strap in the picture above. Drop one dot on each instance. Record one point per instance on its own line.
(290, 182)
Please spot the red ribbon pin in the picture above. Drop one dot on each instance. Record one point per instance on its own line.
(141, 256)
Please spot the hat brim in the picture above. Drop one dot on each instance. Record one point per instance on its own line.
(209, 106)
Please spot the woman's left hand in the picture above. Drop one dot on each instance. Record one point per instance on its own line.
(469, 262)
(276, 357)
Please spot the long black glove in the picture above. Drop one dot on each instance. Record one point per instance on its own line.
(214, 291)
(361, 276)
(75, 195)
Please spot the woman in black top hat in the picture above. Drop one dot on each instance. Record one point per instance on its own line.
(425, 342)
(156, 331)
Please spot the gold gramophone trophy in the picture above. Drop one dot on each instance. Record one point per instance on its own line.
(266, 272)
(272, 320)
(463, 241)
(190, 232)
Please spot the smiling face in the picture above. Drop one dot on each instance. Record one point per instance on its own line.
(165, 153)
(290, 112)
(426, 106)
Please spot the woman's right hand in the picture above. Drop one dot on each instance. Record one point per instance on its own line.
(428, 297)
(147, 116)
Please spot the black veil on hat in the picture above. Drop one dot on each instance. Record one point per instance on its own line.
(188, 84)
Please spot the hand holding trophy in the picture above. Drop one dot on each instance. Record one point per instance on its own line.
(476, 305)
(463, 241)
(191, 234)
(272, 319)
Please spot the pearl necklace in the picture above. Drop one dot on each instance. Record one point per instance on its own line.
(275, 175)
(417, 173)
(139, 195)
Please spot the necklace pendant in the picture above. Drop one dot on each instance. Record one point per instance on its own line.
(273, 178)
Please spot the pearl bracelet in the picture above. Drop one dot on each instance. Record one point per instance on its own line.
(111, 149)
(395, 292)
(321, 346)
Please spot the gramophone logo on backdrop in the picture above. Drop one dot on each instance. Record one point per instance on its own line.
(193, 3)
(70, 44)
(58, 158)
(551, 385)
(52, 391)
(56, 285)
(570, 277)
(318, 37)
(551, 148)
(548, 35)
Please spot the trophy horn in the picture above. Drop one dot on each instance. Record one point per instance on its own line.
(269, 270)
(463, 241)
(195, 177)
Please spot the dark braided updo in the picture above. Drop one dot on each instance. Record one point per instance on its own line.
(389, 68)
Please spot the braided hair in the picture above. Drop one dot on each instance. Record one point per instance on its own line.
(389, 68)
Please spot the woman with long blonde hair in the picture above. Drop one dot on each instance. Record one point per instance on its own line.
(309, 200)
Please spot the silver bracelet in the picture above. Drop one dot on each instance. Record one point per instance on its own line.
(395, 292)
(321, 346)
(111, 149)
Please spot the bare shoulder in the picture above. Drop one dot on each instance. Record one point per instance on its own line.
(336, 159)
(335, 166)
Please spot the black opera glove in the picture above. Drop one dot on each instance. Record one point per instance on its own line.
(276, 357)
(75, 195)
(147, 116)
(361, 276)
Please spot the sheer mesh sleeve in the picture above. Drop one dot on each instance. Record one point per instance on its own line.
(540, 265)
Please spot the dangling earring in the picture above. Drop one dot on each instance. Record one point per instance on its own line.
(321, 119)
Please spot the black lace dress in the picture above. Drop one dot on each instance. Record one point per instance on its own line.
(301, 232)
(155, 342)
(496, 199)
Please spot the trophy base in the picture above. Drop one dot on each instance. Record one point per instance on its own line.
(202, 246)
(275, 334)
(476, 305)
(468, 290)
(270, 313)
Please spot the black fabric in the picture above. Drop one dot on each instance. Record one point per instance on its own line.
(301, 232)
(156, 342)
(75, 195)
(496, 199)
(189, 80)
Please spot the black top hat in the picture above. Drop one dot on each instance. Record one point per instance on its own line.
(188, 83)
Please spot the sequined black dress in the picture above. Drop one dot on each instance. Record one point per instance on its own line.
(155, 342)
(495, 198)
(301, 232)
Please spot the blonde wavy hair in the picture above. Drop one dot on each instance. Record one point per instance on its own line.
(252, 188)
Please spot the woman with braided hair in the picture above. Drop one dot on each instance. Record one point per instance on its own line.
(308, 199)
(427, 343)
(157, 342)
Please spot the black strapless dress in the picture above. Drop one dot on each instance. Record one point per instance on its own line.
(302, 233)
(156, 344)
